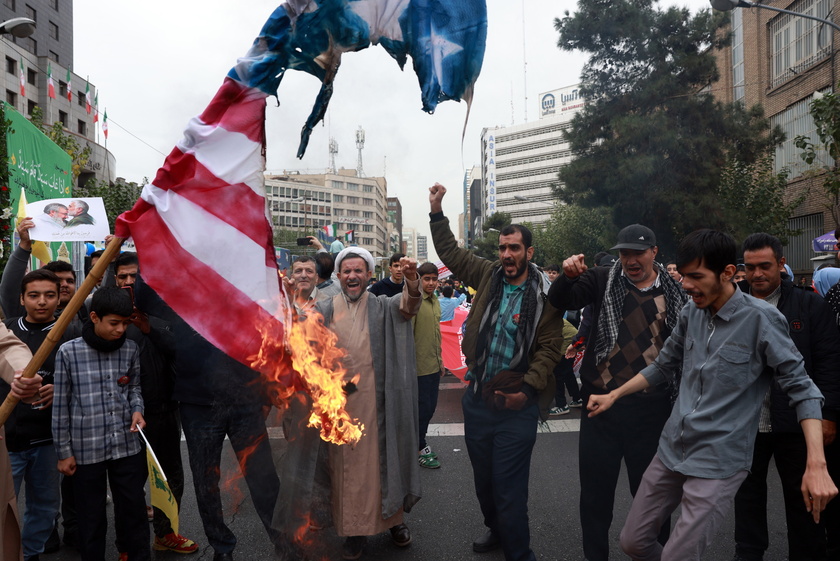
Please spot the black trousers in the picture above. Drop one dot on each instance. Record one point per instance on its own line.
(564, 373)
(500, 444)
(428, 388)
(806, 539)
(630, 431)
(205, 428)
(126, 477)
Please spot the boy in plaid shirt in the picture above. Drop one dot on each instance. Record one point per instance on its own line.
(97, 407)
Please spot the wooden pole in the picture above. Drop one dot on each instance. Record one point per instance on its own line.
(67, 315)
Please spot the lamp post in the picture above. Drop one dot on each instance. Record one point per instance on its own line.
(727, 5)
(19, 27)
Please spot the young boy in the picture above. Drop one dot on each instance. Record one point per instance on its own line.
(427, 351)
(97, 406)
(28, 429)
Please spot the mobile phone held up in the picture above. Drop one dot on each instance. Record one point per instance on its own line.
(304, 241)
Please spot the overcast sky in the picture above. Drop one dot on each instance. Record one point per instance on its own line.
(157, 64)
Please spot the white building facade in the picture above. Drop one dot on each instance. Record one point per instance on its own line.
(520, 163)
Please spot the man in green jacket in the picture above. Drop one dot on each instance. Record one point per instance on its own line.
(513, 340)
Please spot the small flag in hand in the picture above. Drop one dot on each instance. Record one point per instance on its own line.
(162, 497)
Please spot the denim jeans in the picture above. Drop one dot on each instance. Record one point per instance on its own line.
(37, 467)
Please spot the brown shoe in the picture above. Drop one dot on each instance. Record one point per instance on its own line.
(401, 535)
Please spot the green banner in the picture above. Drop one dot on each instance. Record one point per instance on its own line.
(36, 163)
(39, 166)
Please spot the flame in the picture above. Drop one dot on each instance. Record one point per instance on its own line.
(315, 368)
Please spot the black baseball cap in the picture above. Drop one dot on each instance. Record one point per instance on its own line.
(607, 261)
(635, 236)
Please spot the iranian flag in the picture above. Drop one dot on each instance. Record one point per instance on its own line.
(105, 124)
(50, 83)
(87, 97)
(331, 230)
(69, 86)
(22, 78)
(96, 108)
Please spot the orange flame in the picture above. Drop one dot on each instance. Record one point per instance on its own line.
(315, 368)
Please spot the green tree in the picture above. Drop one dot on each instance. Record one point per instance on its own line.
(117, 198)
(487, 245)
(650, 144)
(573, 229)
(6, 211)
(754, 196)
(80, 155)
(825, 109)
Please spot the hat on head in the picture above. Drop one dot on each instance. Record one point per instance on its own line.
(635, 236)
(607, 261)
(355, 252)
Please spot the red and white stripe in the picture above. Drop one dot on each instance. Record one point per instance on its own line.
(201, 232)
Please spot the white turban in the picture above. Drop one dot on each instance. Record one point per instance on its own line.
(359, 251)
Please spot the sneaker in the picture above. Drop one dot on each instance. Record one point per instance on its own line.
(559, 410)
(427, 461)
(427, 451)
(175, 542)
(576, 404)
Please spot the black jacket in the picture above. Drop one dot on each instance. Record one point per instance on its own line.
(27, 427)
(813, 329)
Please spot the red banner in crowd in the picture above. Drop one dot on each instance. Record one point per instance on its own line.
(450, 334)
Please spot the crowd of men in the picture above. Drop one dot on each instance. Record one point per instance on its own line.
(692, 377)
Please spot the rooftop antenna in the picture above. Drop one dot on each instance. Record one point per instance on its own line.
(512, 120)
(360, 145)
(524, 63)
(333, 152)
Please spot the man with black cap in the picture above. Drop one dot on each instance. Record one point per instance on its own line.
(635, 305)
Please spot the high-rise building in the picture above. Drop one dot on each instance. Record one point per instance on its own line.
(422, 249)
(394, 225)
(410, 242)
(308, 202)
(472, 206)
(51, 48)
(520, 163)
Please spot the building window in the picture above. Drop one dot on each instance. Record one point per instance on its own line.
(54, 4)
(54, 56)
(9, 4)
(352, 186)
(799, 43)
(368, 188)
(796, 120)
(367, 227)
(367, 214)
(738, 79)
(338, 198)
(33, 46)
(53, 31)
(338, 184)
(31, 13)
(11, 65)
(62, 118)
(80, 98)
(62, 89)
(82, 127)
(11, 98)
(31, 75)
(353, 200)
(30, 106)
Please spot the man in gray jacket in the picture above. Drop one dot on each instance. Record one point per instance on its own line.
(731, 347)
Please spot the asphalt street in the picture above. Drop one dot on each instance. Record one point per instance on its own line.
(447, 519)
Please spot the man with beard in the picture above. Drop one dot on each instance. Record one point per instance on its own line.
(730, 348)
(513, 340)
(77, 211)
(376, 480)
(635, 305)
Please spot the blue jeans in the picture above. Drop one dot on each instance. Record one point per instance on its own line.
(205, 427)
(37, 466)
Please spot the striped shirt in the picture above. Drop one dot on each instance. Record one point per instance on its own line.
(96, 394)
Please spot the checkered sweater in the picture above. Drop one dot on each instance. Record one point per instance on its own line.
(95, 395)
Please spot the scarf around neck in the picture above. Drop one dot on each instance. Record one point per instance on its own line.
(97, 342)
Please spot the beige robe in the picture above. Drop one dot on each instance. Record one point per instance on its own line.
(356, 484)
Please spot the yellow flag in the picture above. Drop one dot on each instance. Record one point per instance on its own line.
(162, 496)
(39, 249)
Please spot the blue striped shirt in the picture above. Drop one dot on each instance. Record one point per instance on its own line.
(91, 409)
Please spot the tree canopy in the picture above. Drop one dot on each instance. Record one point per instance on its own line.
(651, 142)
